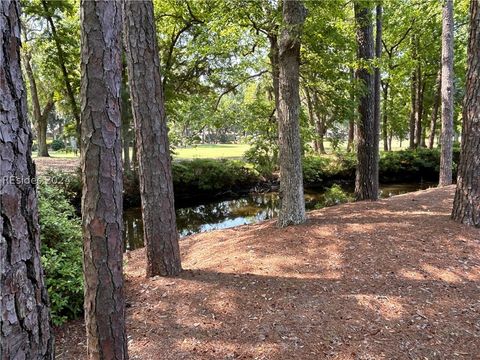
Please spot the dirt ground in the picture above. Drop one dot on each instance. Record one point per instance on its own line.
(395, 279)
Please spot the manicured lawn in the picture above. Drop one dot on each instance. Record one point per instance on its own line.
(211, 151)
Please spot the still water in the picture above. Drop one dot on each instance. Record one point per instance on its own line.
(228, 213)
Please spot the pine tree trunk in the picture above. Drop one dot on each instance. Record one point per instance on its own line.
(292, 210)
(101, 70)
(466, 206)
(24, 317)
(155, 173)
(385, 116)
(366, 180)
(447, 95)
(377, 83)
(436, 104)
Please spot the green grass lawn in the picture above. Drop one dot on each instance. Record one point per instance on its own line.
(211, 151)
(59, 154)
(216, 151)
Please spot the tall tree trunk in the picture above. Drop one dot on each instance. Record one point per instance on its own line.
(377, 82)
(102, 223)
(63, 68)
(351, 134)
(311, 116)
(126, 112)
(24, 317)
(155, 172)
(447, 95)
(292, 210)
(40, 118)
(366, 180)
(466, 205)
(418, 107)
(436, 104)
(414, 87)
(385, 116)
(321, 134)
(413, 97)
(351, 122)
(274, 55)
(319, 125)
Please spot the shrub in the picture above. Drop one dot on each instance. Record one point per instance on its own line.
(205, 175)
(61, 238)
(335, 195)
(315, 169)
(57, 145)
(264, 158)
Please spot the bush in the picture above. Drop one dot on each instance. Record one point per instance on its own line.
(394, 166)
(57, 145)
(205, 175)
(67, 183)
(315, 169)
(335, 195)
(264, 158)
(61, 238)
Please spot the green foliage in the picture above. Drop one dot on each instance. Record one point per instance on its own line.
(315, 169)
(57, 145)
(394, 166)
(335, 195)
(410, 165)
(264, 158)
(205, 175)
(61, 240)
(67, 183)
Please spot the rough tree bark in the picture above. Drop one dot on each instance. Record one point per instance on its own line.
(101, 70)
(25, 331)
(447, 95)
(466, 206)
(40, 117)
(366, 180)
(155, 173)
(386, 86)
(292, 210)
(63, 67)
(436, 104)
(377, 81)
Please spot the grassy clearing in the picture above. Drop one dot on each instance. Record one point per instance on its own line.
(59, 155)
(211, 151)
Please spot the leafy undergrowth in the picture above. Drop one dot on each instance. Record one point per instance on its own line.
(392, 279)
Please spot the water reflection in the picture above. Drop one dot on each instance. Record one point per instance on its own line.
(225, 214)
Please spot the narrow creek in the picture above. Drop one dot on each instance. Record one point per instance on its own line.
(246, 210)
